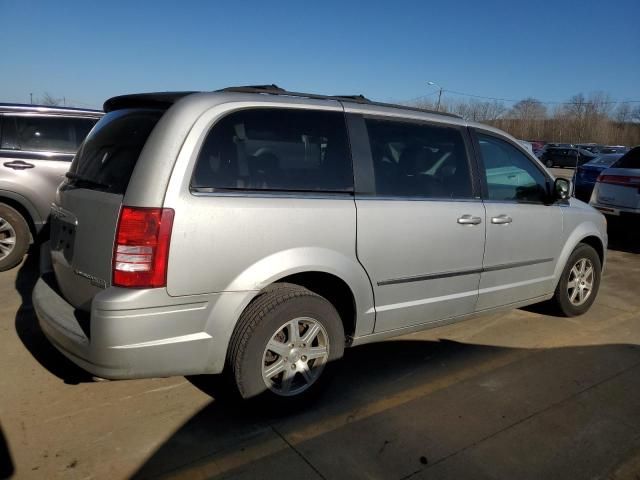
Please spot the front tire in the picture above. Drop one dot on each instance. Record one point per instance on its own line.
(14, 237)
(549, 163)
(579, 283)
(285, 344)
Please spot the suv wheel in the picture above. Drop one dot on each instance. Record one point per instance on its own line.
(14, 237)
(549, 163)
(284, 344)
(579, 283)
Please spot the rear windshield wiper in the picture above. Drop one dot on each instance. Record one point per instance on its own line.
(88, 181)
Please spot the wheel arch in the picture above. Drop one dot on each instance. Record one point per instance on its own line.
(587, 233)
(24, 208)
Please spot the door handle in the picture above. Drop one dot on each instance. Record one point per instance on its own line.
(469, 220)
(501, 220)
(18, 165)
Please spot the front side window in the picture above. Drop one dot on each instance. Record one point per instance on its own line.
(276, 150)
(510, 174)
(46, 133)
(418, 160)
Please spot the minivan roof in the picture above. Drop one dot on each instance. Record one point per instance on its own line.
(166, 99)
(28, 108)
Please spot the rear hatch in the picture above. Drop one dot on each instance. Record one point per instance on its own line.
(85, 216)
(619, 186)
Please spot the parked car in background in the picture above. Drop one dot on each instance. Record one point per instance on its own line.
(614, 149)
(584, 178)
(617, 189)
(37, 145)
(566, 157)
(591, 147)
(208, 232)
(527, 145)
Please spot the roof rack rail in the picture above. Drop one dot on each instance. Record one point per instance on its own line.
(274, 89)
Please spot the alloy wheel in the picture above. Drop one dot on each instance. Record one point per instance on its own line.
(7, 238)
(295, 356)
(580, 284)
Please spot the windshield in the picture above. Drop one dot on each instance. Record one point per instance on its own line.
(109, 154)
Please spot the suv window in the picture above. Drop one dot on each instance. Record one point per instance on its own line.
(418, 160)
(109, 154)
(276, 149)
(45, 133)
(630, 160)
(510, 174)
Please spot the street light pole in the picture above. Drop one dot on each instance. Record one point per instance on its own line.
(31, 98)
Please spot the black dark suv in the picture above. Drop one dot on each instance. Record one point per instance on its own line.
(566, 157)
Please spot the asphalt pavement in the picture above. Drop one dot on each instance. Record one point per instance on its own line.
(521, 394)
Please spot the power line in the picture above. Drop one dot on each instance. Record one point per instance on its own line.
(609, 102)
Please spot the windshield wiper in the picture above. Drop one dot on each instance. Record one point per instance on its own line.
(88, 181)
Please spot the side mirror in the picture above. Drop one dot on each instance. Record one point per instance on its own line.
(562, 188)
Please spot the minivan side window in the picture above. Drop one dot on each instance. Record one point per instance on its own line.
(276, 149)
(510, 174)
(418, 160)
(45, 133)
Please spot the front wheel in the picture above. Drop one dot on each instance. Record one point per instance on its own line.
(285, 343)
(549, 163)
(579, 283)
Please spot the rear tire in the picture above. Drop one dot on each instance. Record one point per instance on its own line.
(579, 283)
(285, 344)
(549, 163)
(14, 237)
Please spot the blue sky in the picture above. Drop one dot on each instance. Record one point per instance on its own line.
(88, 51)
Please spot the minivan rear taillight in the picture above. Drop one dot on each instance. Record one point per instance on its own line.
(141, 250)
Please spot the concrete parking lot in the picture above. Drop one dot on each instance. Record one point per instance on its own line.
(522, 394)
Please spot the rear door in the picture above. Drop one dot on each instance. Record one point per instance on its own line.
(85, 214)
(35, 152)
(524, 234)
(421, 227)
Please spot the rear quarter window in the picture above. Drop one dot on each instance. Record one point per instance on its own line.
(631, 159)
(276, 149)
(109, 154)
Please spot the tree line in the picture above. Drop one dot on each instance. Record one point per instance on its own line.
(581, 119)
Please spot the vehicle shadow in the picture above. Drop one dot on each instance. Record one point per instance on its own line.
(7, 468)
(624, 235)
(397, 406)
(29, 332)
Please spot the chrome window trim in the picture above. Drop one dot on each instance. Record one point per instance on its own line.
(278, 194)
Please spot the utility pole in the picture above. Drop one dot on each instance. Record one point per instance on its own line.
(434, 84)
(31, 97)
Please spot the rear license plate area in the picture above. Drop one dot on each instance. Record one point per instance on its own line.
(62, 236)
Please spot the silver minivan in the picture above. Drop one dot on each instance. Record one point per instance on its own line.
(259, 232)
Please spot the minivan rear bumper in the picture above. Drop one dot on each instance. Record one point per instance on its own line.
(127, 335)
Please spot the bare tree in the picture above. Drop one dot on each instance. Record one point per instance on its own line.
(624, 113)
(48, 99)
(529, 109)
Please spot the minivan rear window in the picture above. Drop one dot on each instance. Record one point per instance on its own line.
(631, 159)
(276, 149)
(109, 154)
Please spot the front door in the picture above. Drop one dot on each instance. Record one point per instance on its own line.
(421, 230)
(524, 233)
